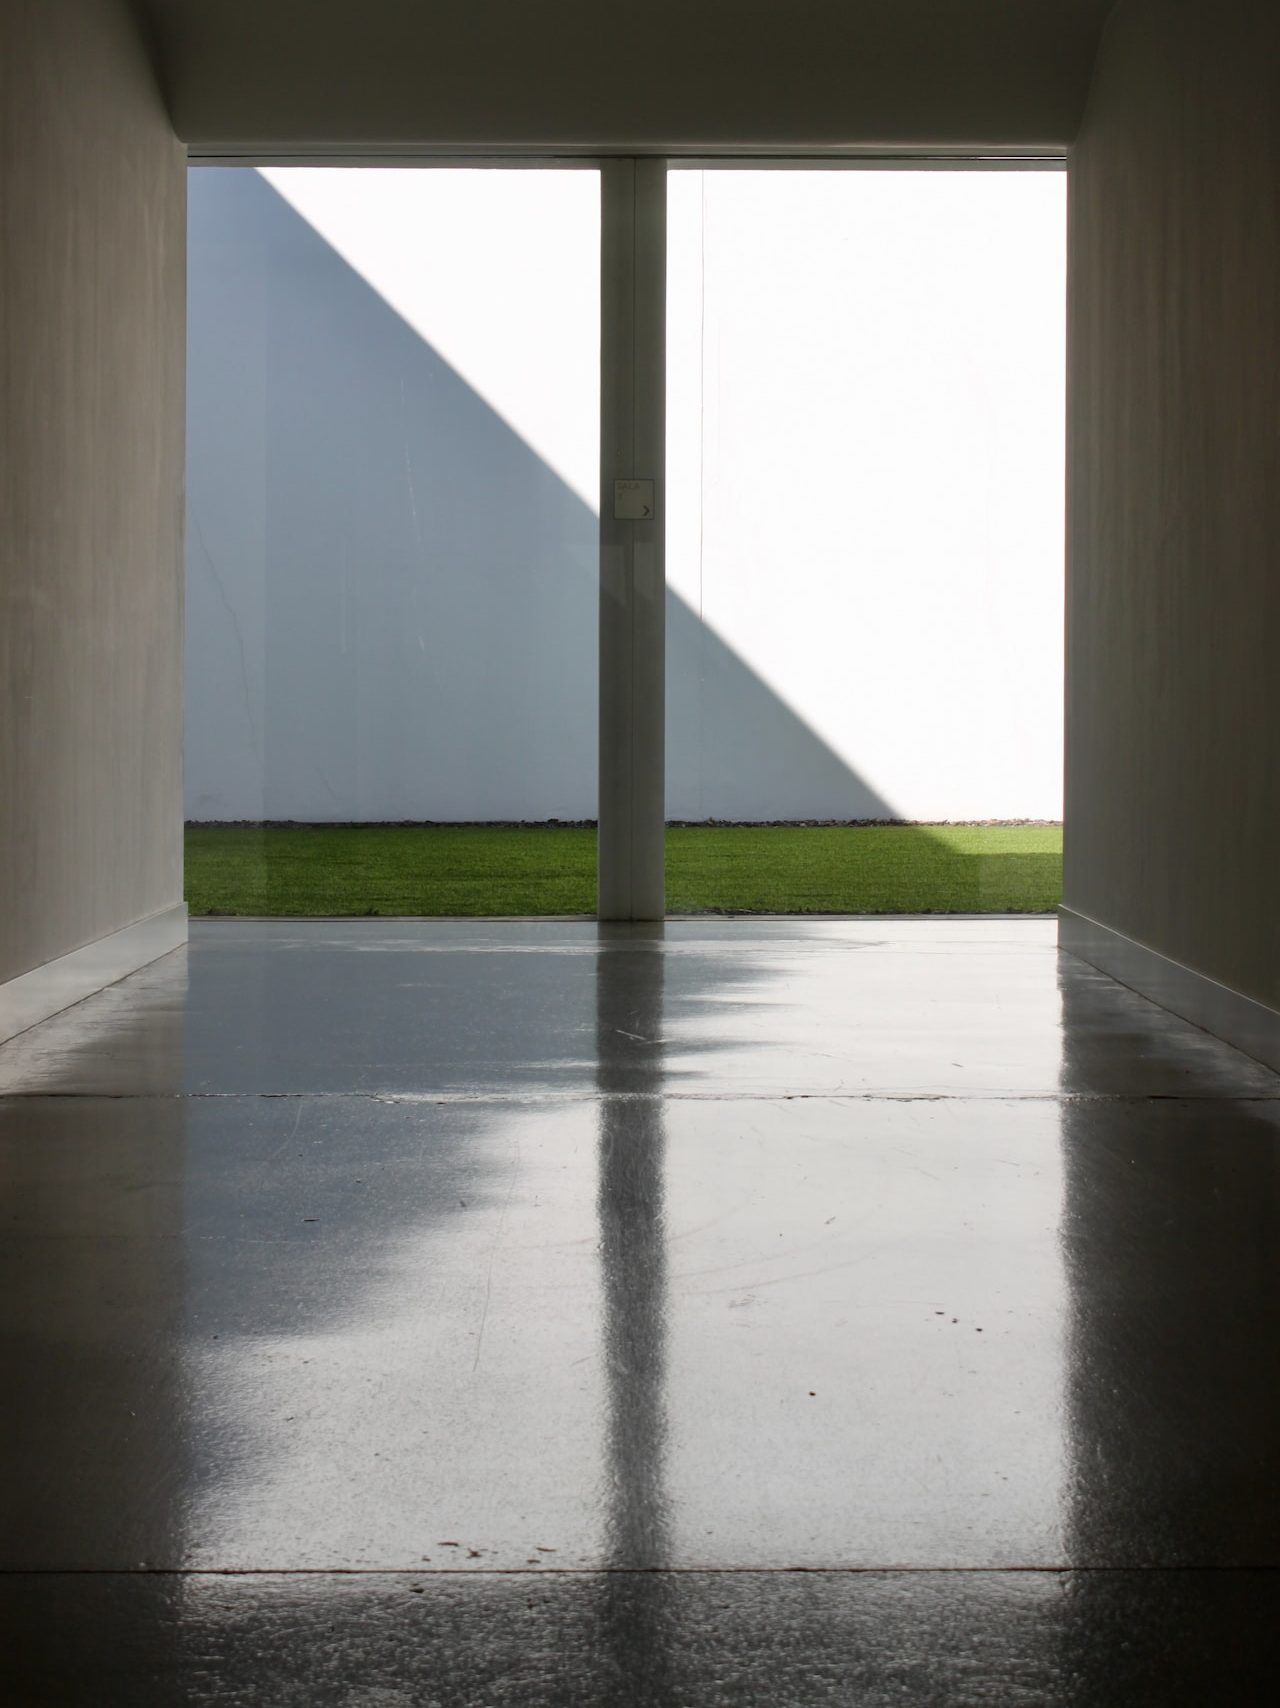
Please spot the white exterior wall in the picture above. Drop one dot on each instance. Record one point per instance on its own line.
(392, 556)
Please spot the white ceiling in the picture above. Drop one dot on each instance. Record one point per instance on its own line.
(283, 76)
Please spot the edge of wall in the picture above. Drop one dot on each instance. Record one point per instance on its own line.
(1249, 1025)
(35, 996)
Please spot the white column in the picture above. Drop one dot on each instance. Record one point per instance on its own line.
(633, 287)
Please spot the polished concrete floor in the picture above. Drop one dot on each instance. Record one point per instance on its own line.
(470, 1315)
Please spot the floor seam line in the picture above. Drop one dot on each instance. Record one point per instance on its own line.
(462, 1572)
(434, 1099)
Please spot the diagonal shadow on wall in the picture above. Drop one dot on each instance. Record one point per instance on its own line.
(392, 596)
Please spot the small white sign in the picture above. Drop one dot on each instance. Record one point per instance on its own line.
(633, 500)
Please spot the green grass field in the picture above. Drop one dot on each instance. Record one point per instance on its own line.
(494, 870)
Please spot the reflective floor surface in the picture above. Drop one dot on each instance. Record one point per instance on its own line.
(736, 1312)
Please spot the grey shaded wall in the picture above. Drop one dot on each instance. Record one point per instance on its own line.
(1173, 683)
(91, 306)
(605, 75)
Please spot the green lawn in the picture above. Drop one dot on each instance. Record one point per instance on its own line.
(479, 870)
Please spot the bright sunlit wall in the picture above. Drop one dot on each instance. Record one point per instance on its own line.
(393, 405)
(865, 509)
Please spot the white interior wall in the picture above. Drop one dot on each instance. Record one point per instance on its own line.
(1173, 744)
(393, 420)
(92, 190)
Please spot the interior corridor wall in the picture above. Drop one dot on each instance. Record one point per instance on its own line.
(91, 300)
(1173, 690)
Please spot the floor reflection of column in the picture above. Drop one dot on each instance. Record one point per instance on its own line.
(635, 1595)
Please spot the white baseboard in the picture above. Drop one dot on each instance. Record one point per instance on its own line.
(34, 996)
(1251, 1026)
